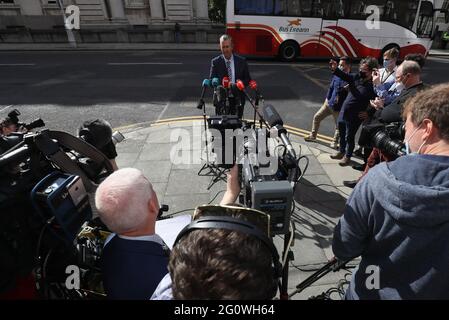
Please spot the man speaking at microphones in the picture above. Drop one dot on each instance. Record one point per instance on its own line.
(233, 67)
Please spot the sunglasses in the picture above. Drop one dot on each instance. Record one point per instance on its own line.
(255, 217)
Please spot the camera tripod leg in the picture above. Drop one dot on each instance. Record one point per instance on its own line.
(284, 283)
(333, 265)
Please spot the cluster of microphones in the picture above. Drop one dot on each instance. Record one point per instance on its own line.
(226, 90)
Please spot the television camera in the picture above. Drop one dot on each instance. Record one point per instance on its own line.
(268, 164)
(386, 137)
(47, 222)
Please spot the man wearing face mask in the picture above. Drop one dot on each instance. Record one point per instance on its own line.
(353, 111)
(397, 217)
(409, 76)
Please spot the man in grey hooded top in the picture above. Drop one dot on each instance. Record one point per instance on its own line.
(397, 218)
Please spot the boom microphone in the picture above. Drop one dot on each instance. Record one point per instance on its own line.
(277, 125)
(272, 116)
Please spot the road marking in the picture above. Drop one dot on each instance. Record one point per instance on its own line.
(292, 130)
(5, 108)
(17, 64)
(310, 78)
(143, 63)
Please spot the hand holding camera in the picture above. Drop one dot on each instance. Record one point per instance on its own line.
(376, 77)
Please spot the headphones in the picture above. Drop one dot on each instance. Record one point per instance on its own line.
(234, 224)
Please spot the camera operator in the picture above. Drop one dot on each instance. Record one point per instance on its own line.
(219, 263)
(217, 255)
(98, 133)
(353, 111)
(135, 260)
(7, 127)
(396, 218)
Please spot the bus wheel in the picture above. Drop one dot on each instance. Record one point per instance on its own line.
(390, 46)
(289, 51)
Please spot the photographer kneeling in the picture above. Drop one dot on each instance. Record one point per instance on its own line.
(397, 217)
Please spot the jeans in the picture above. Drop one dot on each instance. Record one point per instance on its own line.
(348, 130)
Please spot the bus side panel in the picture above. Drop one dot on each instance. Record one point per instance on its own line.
(253, 42)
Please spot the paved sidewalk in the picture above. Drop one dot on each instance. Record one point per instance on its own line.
(320, 196)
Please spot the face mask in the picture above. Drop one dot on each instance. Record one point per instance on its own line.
(341, 68)
(408, 151)
(362, 74)
(387, 63)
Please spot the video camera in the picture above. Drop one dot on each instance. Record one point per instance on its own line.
(13, 116)
(45, 207)
(386, 137)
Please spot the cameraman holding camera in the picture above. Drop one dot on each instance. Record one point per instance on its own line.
(409, 76)
(7, 127)
(396, 218)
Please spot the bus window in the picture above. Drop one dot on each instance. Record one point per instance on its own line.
(254, 7)
(400, 12)
(290, 8)
(330, 9)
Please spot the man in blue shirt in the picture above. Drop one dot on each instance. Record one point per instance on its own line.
(336, 95)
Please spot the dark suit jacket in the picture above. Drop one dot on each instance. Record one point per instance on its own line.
(132, 269)
(393, 112)
(359, 96)
(218, 69)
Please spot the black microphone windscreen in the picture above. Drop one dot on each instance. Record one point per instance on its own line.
(272, 116)
(221, 94)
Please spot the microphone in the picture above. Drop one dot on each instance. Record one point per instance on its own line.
(277, 126)
(225, 82)
(215, 82)
(253, 85)
(271, 115)
(205, 85)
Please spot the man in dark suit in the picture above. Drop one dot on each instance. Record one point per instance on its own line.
(232, 66)
(135, 259)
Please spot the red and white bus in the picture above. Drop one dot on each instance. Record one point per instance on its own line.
(326, 28)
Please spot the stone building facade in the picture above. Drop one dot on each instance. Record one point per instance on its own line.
(107, 20)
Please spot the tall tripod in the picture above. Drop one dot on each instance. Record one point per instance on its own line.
(209, 169)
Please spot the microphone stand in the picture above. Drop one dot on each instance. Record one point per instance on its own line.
(215, 172)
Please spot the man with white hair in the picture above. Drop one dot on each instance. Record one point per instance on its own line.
(135, 260)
